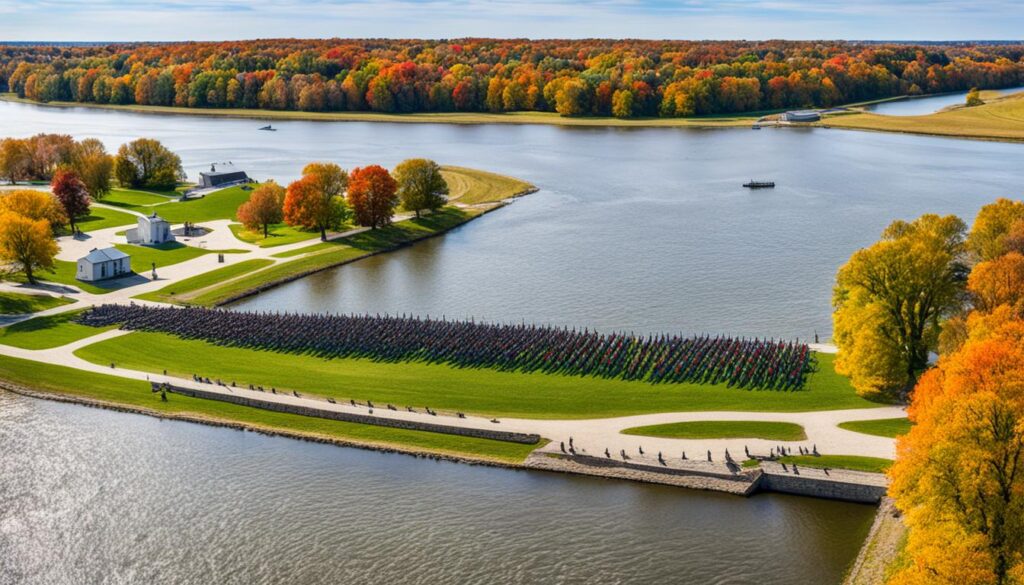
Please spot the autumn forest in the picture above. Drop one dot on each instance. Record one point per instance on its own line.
(625, 79)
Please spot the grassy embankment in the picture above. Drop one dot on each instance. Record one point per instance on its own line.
(482, 391)
(47, 331)
(136, 394)
(851, 462)
(549, 118)
(999, 119)
(18, 304)
(181, 289)
(217, 205)
(324, 255)
(886, 427)
(723, 429)
(100, 218)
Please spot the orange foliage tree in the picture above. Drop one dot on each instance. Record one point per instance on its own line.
(264, 207)
(307, 204)
(373, 194)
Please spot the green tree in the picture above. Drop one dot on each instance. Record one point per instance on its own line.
(420, 185)
(94, 166)
(147, 163)
(889, 300)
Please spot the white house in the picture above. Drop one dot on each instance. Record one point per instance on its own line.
(152, 229)
(103, 264)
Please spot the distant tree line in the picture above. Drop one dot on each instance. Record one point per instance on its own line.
(624, 78)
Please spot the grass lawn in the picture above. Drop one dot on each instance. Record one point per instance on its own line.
(217, 205)
(64, 273)
(280, 235)
(341, 250)
(481, 391)
(101, 218)
(851, 462)
(46, 332)
(133, 199)
(471, 186)
(179, 291)
(17, 303)
(723, 429)
(886, 427)
(136, 393)
(166, 254)
(999, 119)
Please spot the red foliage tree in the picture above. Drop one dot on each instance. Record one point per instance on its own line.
(372, 193)
(72, 193)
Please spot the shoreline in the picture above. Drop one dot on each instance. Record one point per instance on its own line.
(744, 484)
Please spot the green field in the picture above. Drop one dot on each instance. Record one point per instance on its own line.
(46, 332)
(180, 291)
(471, 186)
(339, 251)
(137, 393)
(134, 199)
(723, 429)
(166, 254)
(217, 205)
(999, 119)
(18, 304)
(279, 235)
(851, 462)
(886, 427)
(100, 218)
(481, 391)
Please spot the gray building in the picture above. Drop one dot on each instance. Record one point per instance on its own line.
(801, 116)
(222, 175)
(103, 264)
(152, 229)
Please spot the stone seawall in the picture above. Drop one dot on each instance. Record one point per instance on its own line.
(493, 434)
(849, 486)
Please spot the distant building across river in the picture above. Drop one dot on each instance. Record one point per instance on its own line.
(222, 175)
(801, 116)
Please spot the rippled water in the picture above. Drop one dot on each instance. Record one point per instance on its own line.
(633, 229)
(93, 496)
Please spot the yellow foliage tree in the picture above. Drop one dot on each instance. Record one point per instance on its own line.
(36, 205)
(992, 227)
(26, 244)
(999, 282)
(889, 300)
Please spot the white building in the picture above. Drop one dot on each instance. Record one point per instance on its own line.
(152, 229)
(103, 264)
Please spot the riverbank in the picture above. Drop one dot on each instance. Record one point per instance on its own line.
(544, 118)
(1000, 119)
(881, 549)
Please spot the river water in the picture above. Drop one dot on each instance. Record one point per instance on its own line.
(920, 106)
(643, 230)
(93, 496)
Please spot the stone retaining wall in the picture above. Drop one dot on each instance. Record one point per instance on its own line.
(254, 402)
(833, 489)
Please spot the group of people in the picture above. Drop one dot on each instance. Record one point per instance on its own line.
(746, 363)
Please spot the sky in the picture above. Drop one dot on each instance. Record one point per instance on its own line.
(177, 20)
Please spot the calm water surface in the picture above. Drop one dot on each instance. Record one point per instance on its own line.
(633, 229)
(925, 105)
(92, 496)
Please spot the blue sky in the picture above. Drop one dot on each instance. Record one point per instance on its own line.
(90, 20)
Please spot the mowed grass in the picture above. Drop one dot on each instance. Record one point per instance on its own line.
(482, 391)
(63, 380)
(472, 186)
(851, 462)
(180, 291)
(18, 304)
(340, 251)
(133, 198)
(723, 429)
(100, 218)
(47, 331)
(999, 119)
(217, 205)
(168, 254)
(278, 235)
(886, 427)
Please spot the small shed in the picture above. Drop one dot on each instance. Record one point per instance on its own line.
(103, 264)
(224, 176)
(151, 229)
(802, 116)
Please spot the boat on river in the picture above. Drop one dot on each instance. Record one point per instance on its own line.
(760, 184)
(269, 128)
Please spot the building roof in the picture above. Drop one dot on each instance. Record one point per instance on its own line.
(105, 255)
(154, 218)
(218, 169)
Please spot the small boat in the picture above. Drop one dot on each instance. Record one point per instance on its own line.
(760, 185)
(269, 128)
(756, 127)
